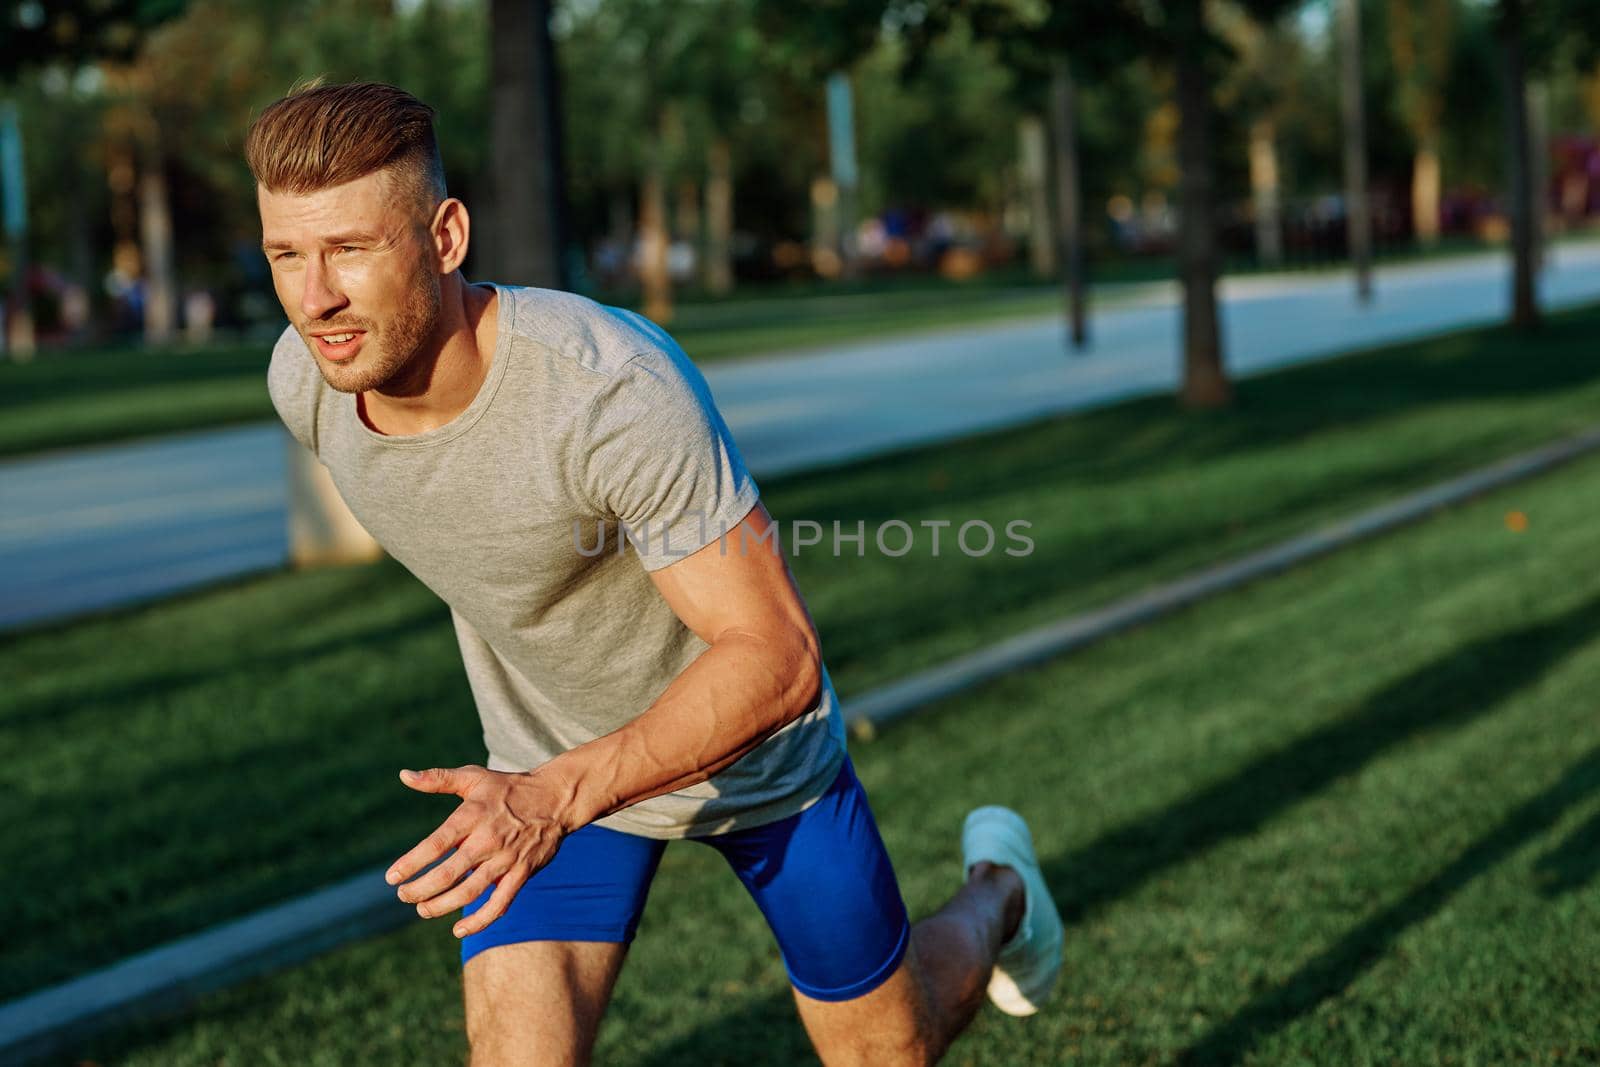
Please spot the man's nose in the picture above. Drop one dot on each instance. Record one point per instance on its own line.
(321, 293)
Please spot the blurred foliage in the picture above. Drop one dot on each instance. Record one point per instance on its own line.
(940, 88)
(33, 32)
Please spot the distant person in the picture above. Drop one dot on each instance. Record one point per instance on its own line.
(488, 436)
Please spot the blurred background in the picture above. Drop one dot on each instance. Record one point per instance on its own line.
(1171, 280)
(703, 149)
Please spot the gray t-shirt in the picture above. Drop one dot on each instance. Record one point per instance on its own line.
(590, 417)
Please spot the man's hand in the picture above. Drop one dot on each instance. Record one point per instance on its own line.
(506, 828)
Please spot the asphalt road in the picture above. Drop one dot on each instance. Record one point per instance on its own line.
(97, 528)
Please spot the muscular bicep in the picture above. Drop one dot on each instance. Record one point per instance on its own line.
(741, 584)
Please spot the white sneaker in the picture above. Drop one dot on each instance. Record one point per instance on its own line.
(1030, 962)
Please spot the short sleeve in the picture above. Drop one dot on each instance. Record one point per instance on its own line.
(293, 381)
(658, 458)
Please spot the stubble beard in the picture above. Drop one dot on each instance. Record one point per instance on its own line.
(389, 351)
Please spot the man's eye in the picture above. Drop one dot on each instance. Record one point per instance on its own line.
(348, 248)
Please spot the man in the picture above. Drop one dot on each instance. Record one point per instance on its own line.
(507, 445)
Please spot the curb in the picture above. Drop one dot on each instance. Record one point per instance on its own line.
(163, 981)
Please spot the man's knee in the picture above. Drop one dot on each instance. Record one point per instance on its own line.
(892, 1025)
(538, 1002)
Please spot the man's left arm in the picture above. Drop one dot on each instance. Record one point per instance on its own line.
(761, 671)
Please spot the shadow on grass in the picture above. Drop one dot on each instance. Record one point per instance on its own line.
(1341, 963)
(1573, 863)
(762, 1032)
(1448, 693)
(56, 711)
(278, 632)
(1153, 544)
(257, 827)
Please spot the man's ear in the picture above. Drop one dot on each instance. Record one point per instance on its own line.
(450, 231)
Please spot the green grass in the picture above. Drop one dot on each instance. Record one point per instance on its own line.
(78, 398)
(1347, 816)
(153, 735)
(756, 326)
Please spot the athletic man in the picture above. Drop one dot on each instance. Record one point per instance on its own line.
(635, 685)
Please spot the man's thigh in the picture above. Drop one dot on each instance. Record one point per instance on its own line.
(538, 978)
(887, 1026)
(826, 886)
(538, 1002)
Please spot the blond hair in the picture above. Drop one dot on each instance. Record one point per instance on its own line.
(324, 135)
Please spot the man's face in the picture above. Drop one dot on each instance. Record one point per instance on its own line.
(355, 271)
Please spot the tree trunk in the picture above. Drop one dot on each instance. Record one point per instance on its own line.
(1069, 208)
(16, 311)
(1034, 165)
(525, 147)
(1539, 170)
(1425, 185)
(155, 242)
(1358, 213)
(719, 218)
(1265, 192)
(1205, 381)
(825, 258)
(842, 162)
(653, 241)
(686, 214)
(1524, 300)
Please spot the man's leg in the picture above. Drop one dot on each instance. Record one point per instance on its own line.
(538, 1002)
(935, 992)
(871, 987)
(537, 979)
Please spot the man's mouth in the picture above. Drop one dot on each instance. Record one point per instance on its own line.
(339, 347)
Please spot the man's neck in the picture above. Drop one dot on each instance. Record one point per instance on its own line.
(441, 387)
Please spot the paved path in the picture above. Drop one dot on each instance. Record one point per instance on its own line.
(100, 527)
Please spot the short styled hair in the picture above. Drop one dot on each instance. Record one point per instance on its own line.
(324, 135)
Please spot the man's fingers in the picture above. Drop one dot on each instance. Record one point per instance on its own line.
(441, 779)
(469, 890)
(449, 834)
(429, 885)
(495, 906)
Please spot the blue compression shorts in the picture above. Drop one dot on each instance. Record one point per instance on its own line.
(821, 877)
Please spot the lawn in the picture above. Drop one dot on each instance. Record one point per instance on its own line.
(1347, 816)
(153, 735)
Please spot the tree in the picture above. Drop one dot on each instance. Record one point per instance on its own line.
(1263, 88)
(1357, 207)
(698, 92)
(1530, 38)
(526, 172)
(75, 32)
(1421, 45)
(1049, 47)
(71, 33)
(1069, 196)
(1179, 32)
(819, 43)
